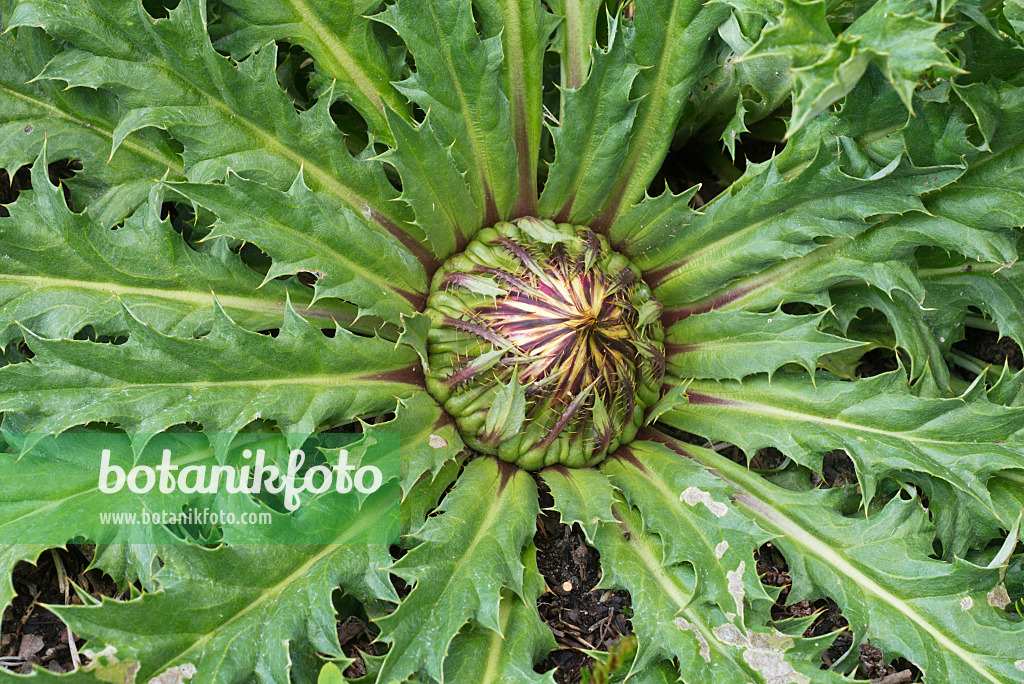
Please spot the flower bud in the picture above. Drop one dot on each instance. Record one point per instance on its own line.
(545, 345)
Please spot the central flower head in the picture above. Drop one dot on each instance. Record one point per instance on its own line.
(544, 345)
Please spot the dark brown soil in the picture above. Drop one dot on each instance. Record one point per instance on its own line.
(990, 348)
(872, 662)
(872, 665)
(876, 362)
(31, 634)
(580, 616)
(837, 470)
(356, 637)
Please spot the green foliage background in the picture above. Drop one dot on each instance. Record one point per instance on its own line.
(891, 219)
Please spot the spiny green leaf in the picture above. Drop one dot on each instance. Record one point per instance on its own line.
(223, 381)
(689, 510)
(672, 41)
(733, 344)
(652, 223)
(773, 217)
(233, 611)
(507, 413)
(63, 271)
(941, 134)
(671, 399)
(422, 496)
(879, 571)
(590, 144)
(880, 256)
(582, 496)
(737, 92)
(466, 557)
(193, 92)
(457, 79)
(895, 35)
(574, 38)
(996, 289)
(736, 127)
(506, 656)
(971, 216)
(310, 233)
(341, 40)
(434, 187)
(525, 28)
(76, 124)
(1008, 493)
(878, 421)
(1009, 388)
(907, 317)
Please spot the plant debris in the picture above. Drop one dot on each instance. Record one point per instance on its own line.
(31, 635)
(580, 616)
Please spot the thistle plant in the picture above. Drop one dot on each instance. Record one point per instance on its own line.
(449, 220)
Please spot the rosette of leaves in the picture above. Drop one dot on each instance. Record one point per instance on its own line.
(269, 189)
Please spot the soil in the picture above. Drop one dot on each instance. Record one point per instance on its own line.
(837, 470)
(29, 633)
(990, 348)
(580, 616)
(356, 637)
(872, 665)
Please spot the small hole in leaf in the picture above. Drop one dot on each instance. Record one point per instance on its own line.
(255, 258)
(308, 278)
(350, 122)
(876, 362)
(89, 333)
(13, 353)
(799, 308)
(351, 427)
(295, 69)
(193, 226)
(159, 9)
(12, 186)
(62, 170)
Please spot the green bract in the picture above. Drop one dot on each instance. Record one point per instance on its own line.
(478, 224)
(545, 346)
